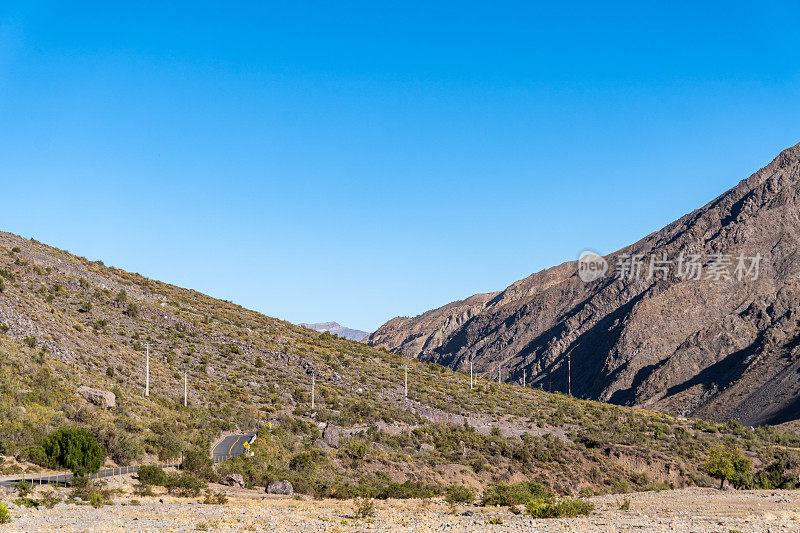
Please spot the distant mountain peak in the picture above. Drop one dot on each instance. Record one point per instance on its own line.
(711, 347)
(337, 329)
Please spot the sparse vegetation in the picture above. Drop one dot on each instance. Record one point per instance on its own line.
(243, 367)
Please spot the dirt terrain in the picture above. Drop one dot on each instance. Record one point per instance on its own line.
(693, 509)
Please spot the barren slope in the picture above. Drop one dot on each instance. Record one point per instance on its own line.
(719, 349)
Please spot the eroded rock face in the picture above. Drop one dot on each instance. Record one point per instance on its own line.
(331, 435)
(102, 398)
(280, 487)
(710, 348)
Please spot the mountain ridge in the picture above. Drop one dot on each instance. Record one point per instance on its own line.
(337, 329)
(634, 342)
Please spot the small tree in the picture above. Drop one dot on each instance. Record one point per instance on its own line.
(75, 449)
(728, 463)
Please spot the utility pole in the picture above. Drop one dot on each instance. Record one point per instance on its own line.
(523, 377)
(569, 374)
(498, 372)
(405, 369)
(470, 373)
(186, 385)
(313, 386)
(147, 371)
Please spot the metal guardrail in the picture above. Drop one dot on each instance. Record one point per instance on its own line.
(104, 473)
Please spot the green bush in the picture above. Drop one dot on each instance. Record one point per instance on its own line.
(510, 494)
(36, 455)
(198, 464)
(152, 475)
(185, 485)
(5, 515)
(132, 310)
(75, 449)
(97, 499)
(729, 463)
(459, 494)
(363, 507)
(405, 490)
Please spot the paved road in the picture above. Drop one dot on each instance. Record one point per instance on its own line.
(231, 446)
(66, 479)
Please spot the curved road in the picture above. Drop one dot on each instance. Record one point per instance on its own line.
(231, 446)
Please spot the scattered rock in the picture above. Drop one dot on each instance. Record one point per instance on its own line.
(322, 445)
(234, 480)
(103, 398)
(331, 435)
(426, 448)
(280, 487)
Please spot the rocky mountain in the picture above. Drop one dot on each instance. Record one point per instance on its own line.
(337, 329)
(701, 317)
(75, 335)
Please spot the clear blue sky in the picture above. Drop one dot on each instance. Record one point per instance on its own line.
(357, 161)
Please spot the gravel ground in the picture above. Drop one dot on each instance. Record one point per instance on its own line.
(700, 510)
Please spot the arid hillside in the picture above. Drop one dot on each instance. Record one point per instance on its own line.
(67, 323)
(701, 318)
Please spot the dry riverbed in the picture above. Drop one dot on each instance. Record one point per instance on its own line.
(694, 509)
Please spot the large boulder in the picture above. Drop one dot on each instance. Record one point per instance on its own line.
(331, 435)
(103, 398)
(234, 480)
(280, 487)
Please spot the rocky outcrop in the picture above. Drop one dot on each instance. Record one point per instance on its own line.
(421, 335)
(331, 435)
(234, 480)
(280, 487)
(718, 348)
(102, 398)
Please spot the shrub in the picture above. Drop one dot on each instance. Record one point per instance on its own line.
(23, 488)
(510, 494)
(152, 475)
(198, 464)
(30, 342)
(36, 455)
(363, 507)
(405, 490)
(121, 296)
(89, 491)
(215, 498)
(729, 463)
(132, 310)
(305, 462)
(97, 499)
(85, 306)
(185, 485)
(75, 449)
(459, 494)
